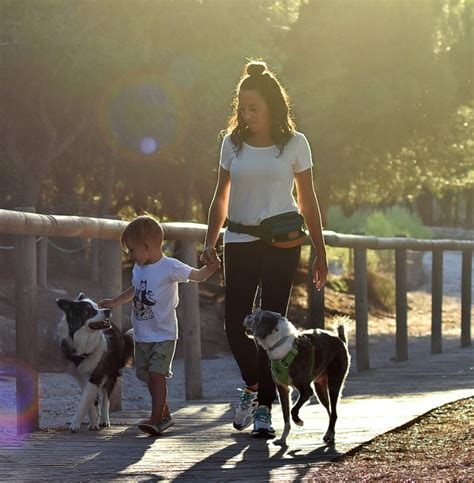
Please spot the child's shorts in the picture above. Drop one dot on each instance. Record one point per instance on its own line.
(154, 357)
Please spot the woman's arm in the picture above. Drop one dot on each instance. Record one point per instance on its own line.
(217, 216)
(309, 207)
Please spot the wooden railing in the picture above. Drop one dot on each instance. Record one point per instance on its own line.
(27, 226)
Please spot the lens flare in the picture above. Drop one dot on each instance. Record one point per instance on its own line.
(143, 115)
(148, 145)
(11, 371)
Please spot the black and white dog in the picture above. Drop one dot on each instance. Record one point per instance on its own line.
(96, 352)
(299, 358)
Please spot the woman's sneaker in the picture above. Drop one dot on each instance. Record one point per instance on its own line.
(246, 408)
(262, 424)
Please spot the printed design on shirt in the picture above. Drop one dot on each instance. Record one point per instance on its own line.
(143, 302)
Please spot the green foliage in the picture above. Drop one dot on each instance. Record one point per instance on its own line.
(381, 289)
(338, 284)
(104, 75)
(382, 89)
(394, 221)
(378, 76)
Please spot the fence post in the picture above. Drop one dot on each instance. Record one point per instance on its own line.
(112, 285)
(43, 262)
(191, 327)
(94, 260)
(466, 287)
(316, 299)
(361, 309)
(436, 301)
(401, 338)
(26, 332)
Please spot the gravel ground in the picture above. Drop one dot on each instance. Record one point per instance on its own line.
(59, 392)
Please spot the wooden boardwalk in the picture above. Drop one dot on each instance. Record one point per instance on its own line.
(203, 446)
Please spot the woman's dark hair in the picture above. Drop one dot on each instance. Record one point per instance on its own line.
(257, 76)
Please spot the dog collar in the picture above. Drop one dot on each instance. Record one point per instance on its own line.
(78, 359)
(278, 344)
(280, 367)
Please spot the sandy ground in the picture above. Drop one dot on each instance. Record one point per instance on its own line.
(59, 393)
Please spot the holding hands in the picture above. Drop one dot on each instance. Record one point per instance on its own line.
(210, 257)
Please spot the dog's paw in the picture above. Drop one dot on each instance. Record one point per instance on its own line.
(105, 424)
(93, 427)
(74, 428)
(297, 420)
(280, 442)
(329, 437)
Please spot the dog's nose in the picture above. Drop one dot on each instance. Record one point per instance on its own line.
(248, 329)
(107, 313)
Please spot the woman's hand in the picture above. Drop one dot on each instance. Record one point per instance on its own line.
(320, 272)
(209, 256)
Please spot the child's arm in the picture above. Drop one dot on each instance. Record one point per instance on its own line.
(121, 299)
(204, 273)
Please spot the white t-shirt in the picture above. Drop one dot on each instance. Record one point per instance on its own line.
(156, 298)
(262, 181)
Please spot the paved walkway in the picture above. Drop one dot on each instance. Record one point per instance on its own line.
(204, 447)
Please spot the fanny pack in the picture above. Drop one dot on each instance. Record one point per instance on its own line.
(286, 230)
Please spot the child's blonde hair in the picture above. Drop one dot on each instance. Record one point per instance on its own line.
(142, 229)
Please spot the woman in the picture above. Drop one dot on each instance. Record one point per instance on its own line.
(262, 158)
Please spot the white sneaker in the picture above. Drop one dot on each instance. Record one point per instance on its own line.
(245, 410)
(262, 424)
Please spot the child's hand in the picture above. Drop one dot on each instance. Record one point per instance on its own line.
(213, 266)
(106, 304)
(209, 256)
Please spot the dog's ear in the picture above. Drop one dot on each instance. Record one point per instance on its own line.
(80, 297)
(269, 315)
(257, 315)
(64, 305)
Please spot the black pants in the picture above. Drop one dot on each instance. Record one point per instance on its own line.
(245, 266)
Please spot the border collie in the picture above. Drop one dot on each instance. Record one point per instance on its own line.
(299, 358)
(96, 352)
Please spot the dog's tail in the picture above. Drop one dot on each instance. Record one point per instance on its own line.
(342, 326)
(341, 332)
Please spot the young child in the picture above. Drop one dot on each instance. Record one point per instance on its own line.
(154, 293)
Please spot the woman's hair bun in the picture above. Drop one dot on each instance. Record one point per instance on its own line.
(256, 68)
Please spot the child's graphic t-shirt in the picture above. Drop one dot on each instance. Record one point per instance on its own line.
(155, 299)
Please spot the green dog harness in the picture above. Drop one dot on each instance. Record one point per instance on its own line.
(280, 367)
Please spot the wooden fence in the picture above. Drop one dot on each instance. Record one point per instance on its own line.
(27, 226)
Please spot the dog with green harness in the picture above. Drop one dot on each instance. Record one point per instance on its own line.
(300, 359)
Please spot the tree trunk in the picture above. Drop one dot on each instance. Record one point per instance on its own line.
(108, 188)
